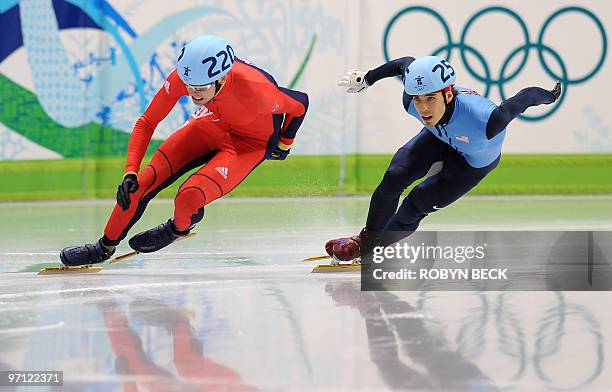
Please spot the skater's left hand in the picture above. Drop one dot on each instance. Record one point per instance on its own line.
(280, 152)
(127, 186)
(355, 81)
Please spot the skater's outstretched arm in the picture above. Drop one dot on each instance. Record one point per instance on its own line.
(393, 68)
(512, 107)
(357, 81)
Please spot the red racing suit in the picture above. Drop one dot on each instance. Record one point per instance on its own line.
(197, 372)
(230, 135)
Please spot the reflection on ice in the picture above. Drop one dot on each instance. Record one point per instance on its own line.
(236, 309)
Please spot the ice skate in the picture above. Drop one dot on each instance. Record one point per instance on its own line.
(157, 238)
(345, 253)
(347, 248)
(76, 256)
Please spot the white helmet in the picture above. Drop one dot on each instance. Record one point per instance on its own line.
(427, 75)
(204, 60)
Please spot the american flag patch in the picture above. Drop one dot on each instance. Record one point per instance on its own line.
(464, 139)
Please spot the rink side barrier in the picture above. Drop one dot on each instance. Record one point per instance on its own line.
(308, 176)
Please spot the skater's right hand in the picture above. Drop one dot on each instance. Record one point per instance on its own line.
(127, 186)
(355, 81)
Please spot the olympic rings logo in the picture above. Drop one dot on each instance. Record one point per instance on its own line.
(504, 75)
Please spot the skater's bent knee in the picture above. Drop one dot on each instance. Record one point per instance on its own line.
(396, 172)
(396, 179)
(188, 207)
(419, 204)
(190, 198)
(147, 177)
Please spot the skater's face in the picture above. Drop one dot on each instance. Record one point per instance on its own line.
(201, 95)
(431, 107)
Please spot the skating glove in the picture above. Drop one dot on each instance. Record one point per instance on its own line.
(355, 81)
(280, 152)
(127, 186)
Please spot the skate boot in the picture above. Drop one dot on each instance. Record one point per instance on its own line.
(348, 248)
(74, 256)
(157, 238)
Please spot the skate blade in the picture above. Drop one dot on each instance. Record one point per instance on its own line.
(337, 268)
(124, 256)
(70, 270)
(316, 258)
(135, 252)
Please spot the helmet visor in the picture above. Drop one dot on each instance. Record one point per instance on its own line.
(201, 88)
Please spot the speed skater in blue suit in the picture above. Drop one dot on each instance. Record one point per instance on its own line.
(459, 145)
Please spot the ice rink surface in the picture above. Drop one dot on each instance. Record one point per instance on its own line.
(234, 308)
